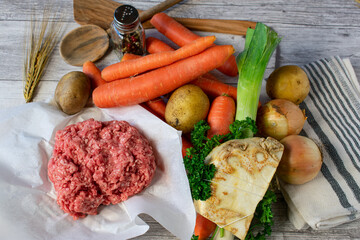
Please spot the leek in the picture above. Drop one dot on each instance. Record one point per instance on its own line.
(260, 44)
(252, 61)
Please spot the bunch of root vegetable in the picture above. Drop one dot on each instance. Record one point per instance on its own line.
(144, 80)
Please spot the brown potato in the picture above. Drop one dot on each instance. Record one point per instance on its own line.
(72, 92)
(187, 105)
(288, 82)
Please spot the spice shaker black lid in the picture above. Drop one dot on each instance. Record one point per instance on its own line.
(126, 15)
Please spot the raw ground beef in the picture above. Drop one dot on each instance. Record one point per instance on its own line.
(96, 163)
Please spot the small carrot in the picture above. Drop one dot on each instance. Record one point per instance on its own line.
(210, 76)
(129, 56)
(93, 73)
(180, 35)
(185, 145)
(203, 227)
(229, 67)
(154, 45)
(136, 66)
(156, 106)
(214, 88)
(221, 115)
(155, 83)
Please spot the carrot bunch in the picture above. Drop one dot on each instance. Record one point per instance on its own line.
(212, 86)
(138, 79)
(160, 81)
(180, 35)
(136, 66)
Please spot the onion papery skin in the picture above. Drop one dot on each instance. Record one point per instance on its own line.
(301, 160)
(279, 118)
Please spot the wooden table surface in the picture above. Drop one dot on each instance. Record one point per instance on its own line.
(310, 29)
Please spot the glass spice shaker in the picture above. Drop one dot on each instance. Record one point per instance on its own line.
(126, 32)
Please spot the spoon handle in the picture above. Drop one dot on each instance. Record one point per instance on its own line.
(145, 15)
(101, 13)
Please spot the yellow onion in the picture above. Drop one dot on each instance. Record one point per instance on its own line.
(301, 160)
(279, 118)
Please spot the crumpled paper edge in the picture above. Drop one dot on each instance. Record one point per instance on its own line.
(185, 232)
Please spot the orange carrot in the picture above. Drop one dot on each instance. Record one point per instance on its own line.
(185, 145)
(229, 67)
(180, 35)
(203, 227)
(93, 73)
(154, 45)
(210, 76)
(129, 56)
(221, 115)
(136, 66)
(156, 106)
(172, 29)
(155, 83)
(215, 88)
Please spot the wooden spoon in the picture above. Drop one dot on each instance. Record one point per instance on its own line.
(90, 42)
(100, 12)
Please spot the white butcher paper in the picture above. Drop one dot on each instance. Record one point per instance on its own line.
(28, 208)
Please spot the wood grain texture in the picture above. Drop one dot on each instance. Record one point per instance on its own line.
(310, 29)
(85, 43)
(103, 16)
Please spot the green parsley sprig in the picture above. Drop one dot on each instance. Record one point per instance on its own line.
(263, 218)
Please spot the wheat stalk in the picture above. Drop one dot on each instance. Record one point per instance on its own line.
(39, 44)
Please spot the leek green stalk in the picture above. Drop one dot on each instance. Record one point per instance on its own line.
(260, 44)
